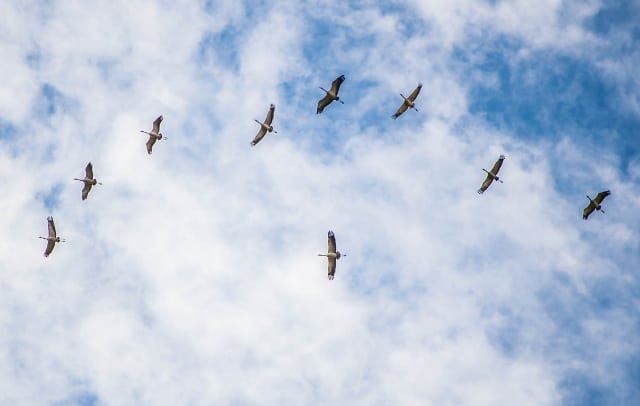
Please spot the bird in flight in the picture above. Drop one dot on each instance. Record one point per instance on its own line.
(491, 175)
(52, 237)
(265, 126)
(595, 204)
(331, 95)
(332, 255)
(88, 181)
(154, 135)
(408, 102)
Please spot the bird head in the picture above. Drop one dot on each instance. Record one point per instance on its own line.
(159, 136)
(94, 182)
(270, 128)
(57, 239)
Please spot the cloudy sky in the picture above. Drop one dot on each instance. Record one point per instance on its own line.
(191, 276)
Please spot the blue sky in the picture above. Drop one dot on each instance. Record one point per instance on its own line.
(191, 276)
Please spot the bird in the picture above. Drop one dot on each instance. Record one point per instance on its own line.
(52, 239)
(265, 126)
(332, 255)
(595, 204)
(491, 176)
(408, 102)
(88, 181)
(154, 135)
(331, 95)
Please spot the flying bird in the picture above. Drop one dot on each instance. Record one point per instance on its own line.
(265, 126)
(331, 95)
(491, 176)
(408, 102)
(88, 181)
(154, 135)
(52, 239)
(595, 204)
(332, 255)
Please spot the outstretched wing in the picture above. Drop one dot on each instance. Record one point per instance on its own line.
(335, 85)
(150, 142)
(485, 185)
(601, 196)
(259, 136)
(156, 125)
(324, 102)
(50, 245)
(497, 165)
(269, 117)
(403, 107)
(415, 93)
(588, 210)
(332, 242)
(85, 190)
(89, 171)
(331, 268)
(52, 227)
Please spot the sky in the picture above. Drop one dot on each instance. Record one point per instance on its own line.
(191, 276)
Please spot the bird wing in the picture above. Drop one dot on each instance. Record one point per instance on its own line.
(331, 268)
(324, 102)
(335, 85)
(332, 242)
(269, 117)
(50, 245)
(52, 227)
(85, 190)
(485, 185)
(150, 142)
(156, 125)
(415, 93)
(601, 196)
(403, 107)
(89, 171)
(259, 136)
(497, 165)
(588, 210)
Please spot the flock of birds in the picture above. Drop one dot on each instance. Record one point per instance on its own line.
(266, 126)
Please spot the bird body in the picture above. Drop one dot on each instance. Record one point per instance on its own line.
(331, 94)
(492, 175)
(154, 135)
(595, 204)
(88, 181)
(408, 102)
(265, 126)
(332, 255)
(52, 237)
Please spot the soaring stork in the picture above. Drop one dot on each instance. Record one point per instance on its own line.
(332, 255)
(491, 176)
(88, 181)
(331, 95)
(154, 135)
(52, 239)
(595, 204)
(408, 102)
(265, 126)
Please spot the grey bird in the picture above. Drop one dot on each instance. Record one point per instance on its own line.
(491, 175)
(331, 95)
(595, 204)
(408, 102)
(265, 126)
(53, 238)
(332, 255)
(88, 181)
(154, 135)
